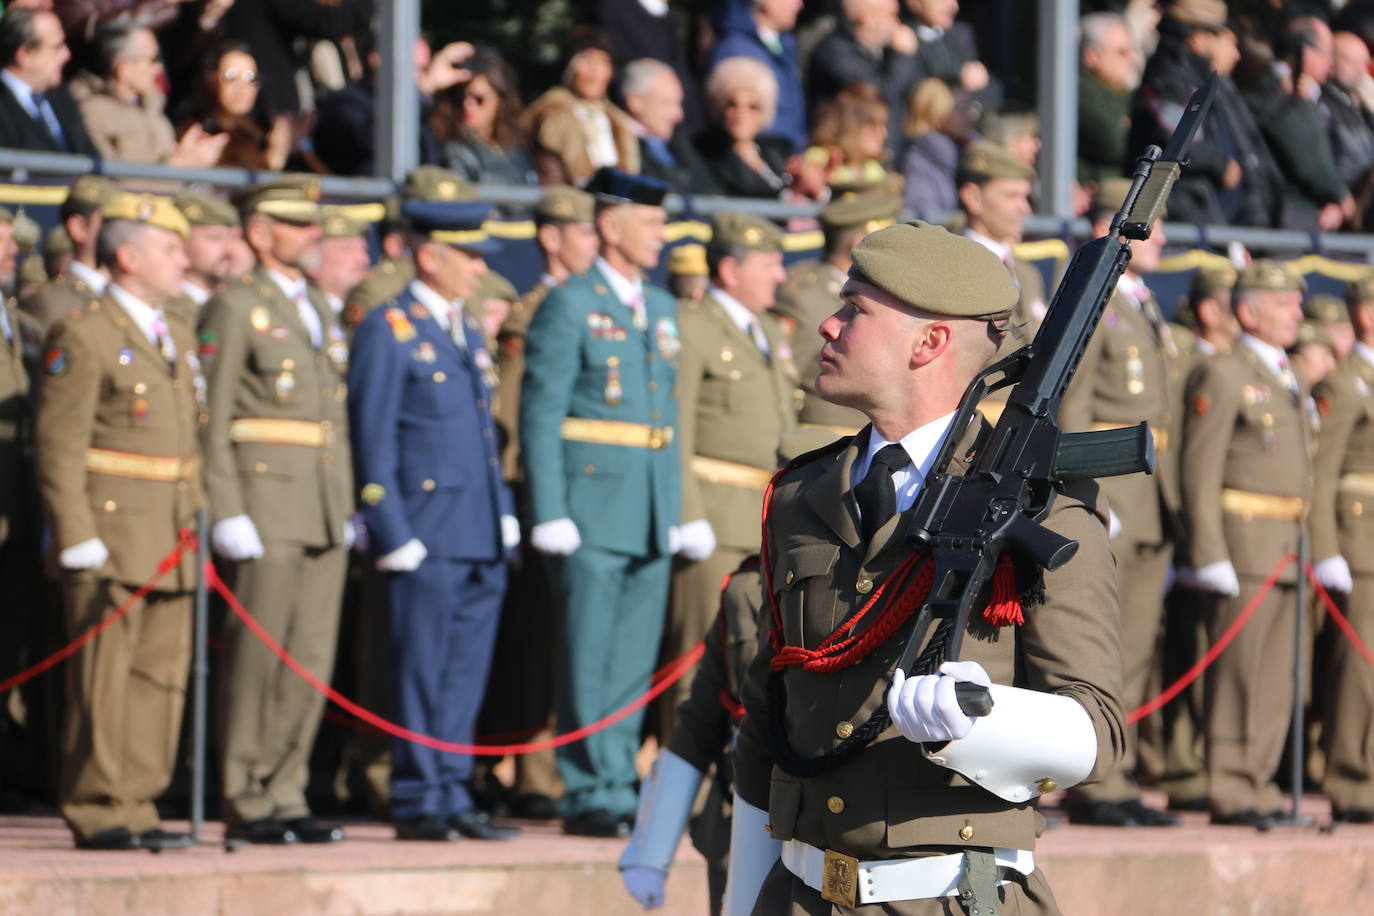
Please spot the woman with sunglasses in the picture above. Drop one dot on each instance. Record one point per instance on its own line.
(742, 95)
(477, 122)
(225, 101)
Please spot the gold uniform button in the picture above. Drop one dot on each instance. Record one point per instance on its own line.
(966, 832)
(426, 485)
(589, 469)
(835, 804)
(1046, 785)
(260, 467)
(864, 585)
(288, 364)
(844, 729)
(736, 375)
(790, 576)
(326, 425)
(653, 386)
(440, 376)
(110, 505)
(140, 388)
(612, 361)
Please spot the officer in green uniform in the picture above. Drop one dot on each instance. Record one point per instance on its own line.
(735, 385)
(603, 473)
(812, 294)
(83, 279)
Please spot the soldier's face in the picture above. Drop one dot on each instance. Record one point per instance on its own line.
(343, 264)
(1000, 206)
(156, 260)
(9, 257)
(577, 246)
(208, 252)
(1271, 315)
(451, 272)
(636, 231)
(754, 279)
(296, 244)
(868, 347)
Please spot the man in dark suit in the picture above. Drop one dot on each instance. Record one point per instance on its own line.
(36, 111)
(654, 97)
(439, 517)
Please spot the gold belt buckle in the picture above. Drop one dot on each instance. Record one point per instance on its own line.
(840, 879)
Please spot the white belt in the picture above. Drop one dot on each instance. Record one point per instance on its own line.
(889, 880)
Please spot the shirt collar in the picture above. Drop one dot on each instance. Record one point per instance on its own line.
(143, 314)
(89, 275)
(335, 303)
(921, 446)
(624, 288)
(290, 288)
(1134, 288)
(1269, 354)
(438, 306)
(738, 312)
(549, 280)
(997, 248)
(22, 90)
(194, 293)
(1205, 346)
(1365, 351)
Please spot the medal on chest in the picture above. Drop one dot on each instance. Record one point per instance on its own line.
(1135, 371)
(614, 393)
(484, 362)
(282, 387)
(338, 347)
(669, 344)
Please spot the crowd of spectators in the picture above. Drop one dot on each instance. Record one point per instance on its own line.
(758, 98)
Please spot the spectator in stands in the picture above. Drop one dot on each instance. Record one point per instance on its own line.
(36, 110)
(1108, 69)
(653, 97)
(947, 49)
(848, 142)
(1254, 202)
(642, 29)
(225, 101)
(742, 97)
(122, 105)
(477, 123)
(935, 130)
(762, 29)
(574, 129)
(198, 27)
(869, 46)
(1349, 124)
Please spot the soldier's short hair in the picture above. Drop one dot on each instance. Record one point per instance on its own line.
(715, 253)
(113, 234)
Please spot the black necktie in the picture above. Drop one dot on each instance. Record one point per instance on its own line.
(875, 494)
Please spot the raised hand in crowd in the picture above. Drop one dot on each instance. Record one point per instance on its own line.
(445, 68)
(198, 149)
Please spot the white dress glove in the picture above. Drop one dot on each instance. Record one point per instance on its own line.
(404, 559)
(1334, 574)
(1218, 577)
(674, 540)
(926, 708)
(236, 538)
(510, 532)
(696, 540)
(645, 885)
(558, 538)
(90, 554)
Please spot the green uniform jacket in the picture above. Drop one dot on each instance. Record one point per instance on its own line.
(585, 358)
(811, 295)
(734, 405)
(1343, 516)
(260, 363)
(889, 800)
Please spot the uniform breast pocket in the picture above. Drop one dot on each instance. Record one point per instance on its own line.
(128, 403)
(433, 390)
(801, 578)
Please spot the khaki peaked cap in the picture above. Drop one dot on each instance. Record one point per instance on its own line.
(1269, 274)
(870, 211)
(1363, 288)
(732, 229)
(201, 209)
(1326, 308)
(293, 198)
(436, 183)
(564, 204)
(983, 160)
(688, 260)
(148, 209)
(932, 269)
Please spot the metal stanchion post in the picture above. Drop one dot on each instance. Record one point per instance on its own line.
(1295, 817)
(200, 671)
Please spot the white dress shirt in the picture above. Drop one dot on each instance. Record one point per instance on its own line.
(744, 319)
(89, 275)
(1365, 352)
(441, 309)
(921, 445)
(151, 321)
(298, 292)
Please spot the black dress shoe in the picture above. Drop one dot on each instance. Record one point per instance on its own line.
(116, 838)
(1129, 813)
(477, 825)
(428, 828)
(534, 807)
(598, 822)
(1196, 803)
(1352, 815)
(158, 839)
(267, 831)
(309, 830)
(1247, 818)
(1148, 817)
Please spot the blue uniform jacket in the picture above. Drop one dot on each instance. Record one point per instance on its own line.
(424, 445)
(585, 358)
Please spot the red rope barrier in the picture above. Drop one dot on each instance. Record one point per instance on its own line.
(673, 671)
(185, 541)
(1341, 620)
(1216, 649)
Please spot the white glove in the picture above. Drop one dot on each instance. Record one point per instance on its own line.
(510, 532)
(356, 537)
(696, 540)
(926, 708)
(1334, 574)
(1218, 577)
(558, 537)
(1113, 525)
(674, 540)
(236, 538)
(90, 554)
(404, 559)
(645, 885)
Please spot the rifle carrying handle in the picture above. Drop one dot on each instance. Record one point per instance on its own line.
(974, 699)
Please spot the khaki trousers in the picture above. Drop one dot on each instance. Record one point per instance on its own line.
(1348, 731)
(1249, 691)
(269, 714)
(125, 693)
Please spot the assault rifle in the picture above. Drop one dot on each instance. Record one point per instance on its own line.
(966, 522)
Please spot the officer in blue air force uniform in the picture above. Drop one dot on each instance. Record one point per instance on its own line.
(597, 423)
(439, 518)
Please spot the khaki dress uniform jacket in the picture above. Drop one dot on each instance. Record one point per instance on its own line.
(1343, 523)
(889, 801)
(57, 297)
(811, 295)
(276, 448)
(118, 459)
(1247, 452)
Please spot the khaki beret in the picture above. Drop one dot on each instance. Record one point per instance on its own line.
(1362, 288)
(88, 194)
(688, 261)
(1326, 308)
(870, 212)
(58, 241)
(1311, 332)
(1268, 274)
(934, 270)
(1205, 14)
(27, 232)
(148, 209)
(293, 198)
(733, 229)
(201, 209)
(563, 204)
(983, 160)
(435, 183)
(336, 224)
(1212, 278)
